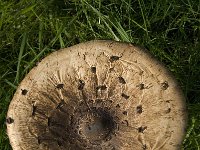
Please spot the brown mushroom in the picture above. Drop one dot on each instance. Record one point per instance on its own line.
(98, 95)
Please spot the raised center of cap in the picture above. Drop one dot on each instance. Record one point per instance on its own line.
(97, 125)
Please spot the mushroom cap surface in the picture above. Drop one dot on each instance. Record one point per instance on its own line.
(99, 95)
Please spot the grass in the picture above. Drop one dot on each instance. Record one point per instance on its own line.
(169, 29)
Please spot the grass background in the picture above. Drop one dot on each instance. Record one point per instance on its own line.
(169, 29)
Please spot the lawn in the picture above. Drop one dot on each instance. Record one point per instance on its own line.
(169, 29)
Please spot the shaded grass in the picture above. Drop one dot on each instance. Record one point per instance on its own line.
(170, 29)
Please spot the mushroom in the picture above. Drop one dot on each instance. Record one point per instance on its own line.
(98, 95)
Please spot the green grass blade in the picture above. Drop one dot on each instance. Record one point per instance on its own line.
(23, 44)
(11, 84)
(27, 9)
(103, 18)
(143, 16)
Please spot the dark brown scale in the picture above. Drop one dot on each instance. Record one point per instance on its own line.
(81, 85)
(164, 85)
(48, 121)
(168, 110)
(139, 109)
(111, 69)
(60, 86)
(141, 86)
(9, 120)
(93, 69)
(141, 129)
(114, 58)
(39, 140)
(141, 72)
(121, 80)
(125, 113)
(101, 87)
(110, 101)
(24, 92)
(117, 106)
(125, 96)
(144, 147)
(34, 110)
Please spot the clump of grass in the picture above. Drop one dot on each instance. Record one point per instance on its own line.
(31, 29)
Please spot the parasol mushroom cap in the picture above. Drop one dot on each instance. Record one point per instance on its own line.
(98, 95)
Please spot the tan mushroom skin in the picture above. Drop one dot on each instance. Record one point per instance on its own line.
(101, 95)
